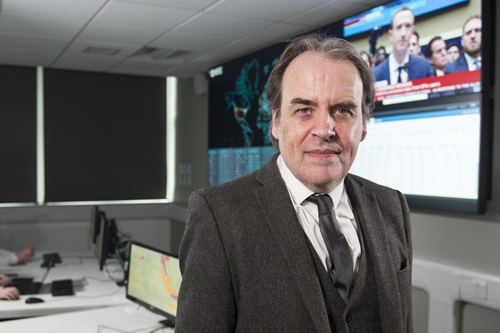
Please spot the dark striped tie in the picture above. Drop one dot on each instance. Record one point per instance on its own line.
(341, 270)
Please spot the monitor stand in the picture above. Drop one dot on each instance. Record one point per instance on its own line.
(167, 322)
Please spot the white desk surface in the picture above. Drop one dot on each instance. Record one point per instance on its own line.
(119, 318)
(99, 288)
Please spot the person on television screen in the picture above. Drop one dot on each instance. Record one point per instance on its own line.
(415, 47)
(380, 55)
(13, 258)
(367, 58)
(301, 245)
(400, 65)
(453, 52)
(437, 54)
(471, 42)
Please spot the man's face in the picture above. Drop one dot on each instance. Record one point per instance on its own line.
(439, 57)
(414, 45)
(401, 31)
(471, 39)
(321, 123)
(453, 53)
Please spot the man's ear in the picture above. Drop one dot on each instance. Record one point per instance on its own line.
(275, 126)
(363, 135)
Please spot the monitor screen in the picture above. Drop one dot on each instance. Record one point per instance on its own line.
(431, 131)
(239, 116)
(425, 152)
(430, 135)
(429, 72)
(154, 279)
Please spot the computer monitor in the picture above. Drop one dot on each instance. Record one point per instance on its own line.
(153, 280)
(95, 223)
(106, 241)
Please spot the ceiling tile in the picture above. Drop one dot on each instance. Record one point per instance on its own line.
(190, 42)
(223, 25)
(39, 26)
(136, 67)
(193, 5)
(118, 34)
(265, 9)
(31, 44)
(23, 58)
(63, 9)
(85, 63)
(142, 16)
(328, 13)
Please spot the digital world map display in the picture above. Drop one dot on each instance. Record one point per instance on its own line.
(240, 116)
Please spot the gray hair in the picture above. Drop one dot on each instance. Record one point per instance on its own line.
(331, 47)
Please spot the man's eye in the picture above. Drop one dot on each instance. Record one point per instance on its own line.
(304, 110)
(343, 111)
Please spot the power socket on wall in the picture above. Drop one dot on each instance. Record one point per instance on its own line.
(473, 287)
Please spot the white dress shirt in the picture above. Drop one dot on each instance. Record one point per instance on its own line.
(7, 258)
(393, 69)
(307, 213)
(471, 62)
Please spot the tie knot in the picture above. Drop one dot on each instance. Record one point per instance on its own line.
(323, 201)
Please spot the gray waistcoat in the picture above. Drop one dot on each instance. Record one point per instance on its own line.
(361, 313)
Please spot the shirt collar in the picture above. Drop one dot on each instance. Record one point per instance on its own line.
(393, 64)
(298, 191)
(470, 60)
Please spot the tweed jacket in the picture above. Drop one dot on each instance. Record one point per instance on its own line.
(247, 268)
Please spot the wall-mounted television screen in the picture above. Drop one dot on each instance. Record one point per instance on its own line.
(430, 134)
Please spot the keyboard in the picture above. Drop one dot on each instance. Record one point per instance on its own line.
(27, 287)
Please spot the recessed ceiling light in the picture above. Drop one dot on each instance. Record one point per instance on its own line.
(101, 50)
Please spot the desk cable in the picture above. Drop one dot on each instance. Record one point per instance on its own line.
(100, 329)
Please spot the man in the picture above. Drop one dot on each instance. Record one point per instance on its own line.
(12, 258)
(437, 54)
(471, 42)
(7, 293)
(453, 52)
(400, 65)
(253, 256)
(415, 47)
(380, 55)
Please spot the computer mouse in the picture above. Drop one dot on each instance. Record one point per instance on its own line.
(32, 300)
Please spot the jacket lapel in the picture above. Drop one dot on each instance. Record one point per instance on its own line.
(274, 199)
(369, 218)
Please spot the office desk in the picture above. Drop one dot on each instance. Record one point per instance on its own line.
(121, 318)
(93, 288)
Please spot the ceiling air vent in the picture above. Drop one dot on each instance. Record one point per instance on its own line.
(160, 54)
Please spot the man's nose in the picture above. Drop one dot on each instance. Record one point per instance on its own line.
(324, 125)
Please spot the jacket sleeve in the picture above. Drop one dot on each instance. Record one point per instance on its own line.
(407, 227)
(206, 298)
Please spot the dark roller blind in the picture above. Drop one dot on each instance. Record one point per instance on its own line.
(17, 134)
(105, 136)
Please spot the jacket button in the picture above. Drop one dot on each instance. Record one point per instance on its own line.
(348, 317)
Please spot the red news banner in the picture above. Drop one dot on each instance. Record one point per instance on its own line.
(430, 85)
